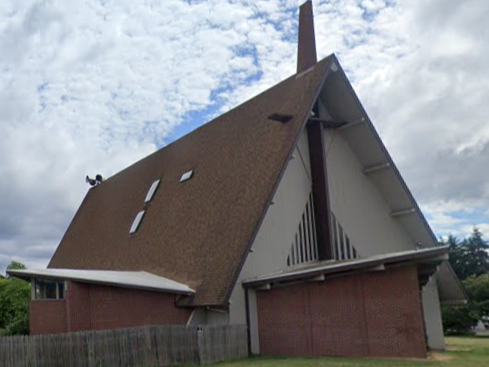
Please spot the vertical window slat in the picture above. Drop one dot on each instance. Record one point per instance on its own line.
(335, 239)
(296, 251)
(301, 237)
(341, 243)
(306, 242)
(338, 242)
(304, 247)
(309, 232)
(311, 201)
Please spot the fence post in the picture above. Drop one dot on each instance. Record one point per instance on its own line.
(200, 345)
(90, 351)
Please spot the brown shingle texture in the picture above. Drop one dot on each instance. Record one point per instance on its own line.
(196, 232)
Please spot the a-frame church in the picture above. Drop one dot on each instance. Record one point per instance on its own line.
(286, 214)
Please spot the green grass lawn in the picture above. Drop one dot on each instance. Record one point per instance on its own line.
(461, 352)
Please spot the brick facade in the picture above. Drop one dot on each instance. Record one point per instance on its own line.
(365, 315)
(98, 307)
(47, 317)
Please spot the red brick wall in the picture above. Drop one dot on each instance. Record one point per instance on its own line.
(372, 314)
(98, 307)
(47, 317)
(78, 306)
(112, 307)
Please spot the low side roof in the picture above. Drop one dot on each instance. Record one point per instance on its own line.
(126, 279)
(450, 289)
(196, 232)
(431, 256)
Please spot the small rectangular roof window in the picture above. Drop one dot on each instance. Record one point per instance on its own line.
(137, 221)
(281, 117)
(186, 176)
(151, 191)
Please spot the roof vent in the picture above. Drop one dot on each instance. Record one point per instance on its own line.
(186, 176)
(280, 117)
(151, 191)
(137, 221)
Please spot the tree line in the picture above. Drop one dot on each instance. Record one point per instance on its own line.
(469, 259)
(14, 304)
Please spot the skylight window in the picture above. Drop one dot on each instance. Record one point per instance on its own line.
(137, 221)
(151, 191)
(186, 176)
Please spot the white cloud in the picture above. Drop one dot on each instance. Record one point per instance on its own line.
(430, 107)
(92, 86)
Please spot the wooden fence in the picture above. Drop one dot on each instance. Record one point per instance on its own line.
(148, 346)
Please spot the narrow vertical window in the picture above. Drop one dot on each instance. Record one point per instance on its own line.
(61, 289)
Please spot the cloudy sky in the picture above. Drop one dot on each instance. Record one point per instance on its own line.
(92, 86)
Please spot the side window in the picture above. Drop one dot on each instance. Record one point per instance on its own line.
(49, 289)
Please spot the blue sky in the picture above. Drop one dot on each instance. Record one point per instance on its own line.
(93, 86)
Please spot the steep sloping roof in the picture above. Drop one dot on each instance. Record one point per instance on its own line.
(196, 232)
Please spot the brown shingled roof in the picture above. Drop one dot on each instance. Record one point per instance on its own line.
(197, 232)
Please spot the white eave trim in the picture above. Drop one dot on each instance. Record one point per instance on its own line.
(125, 279)
(374, 263)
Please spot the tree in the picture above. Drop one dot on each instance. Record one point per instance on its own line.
(470, 256)
(458, 320)
(478, 291)
(15, 265)
(14, 304)
(477, 288)
(469, 259)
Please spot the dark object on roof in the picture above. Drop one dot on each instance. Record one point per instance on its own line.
(197, 233)
(90, 181)
(94, 182)
(281, 117)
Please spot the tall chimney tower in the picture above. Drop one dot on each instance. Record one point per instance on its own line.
(306, 52)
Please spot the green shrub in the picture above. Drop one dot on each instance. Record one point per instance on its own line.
(459, 320)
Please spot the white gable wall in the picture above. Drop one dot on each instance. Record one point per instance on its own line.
(365, 216)
(275, 236)
(358, 205)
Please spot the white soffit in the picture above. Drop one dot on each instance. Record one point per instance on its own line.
(126, 279)
(344, 105)
(449, 287)
(439, 253)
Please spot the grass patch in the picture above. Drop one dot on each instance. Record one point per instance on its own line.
(461, 352)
